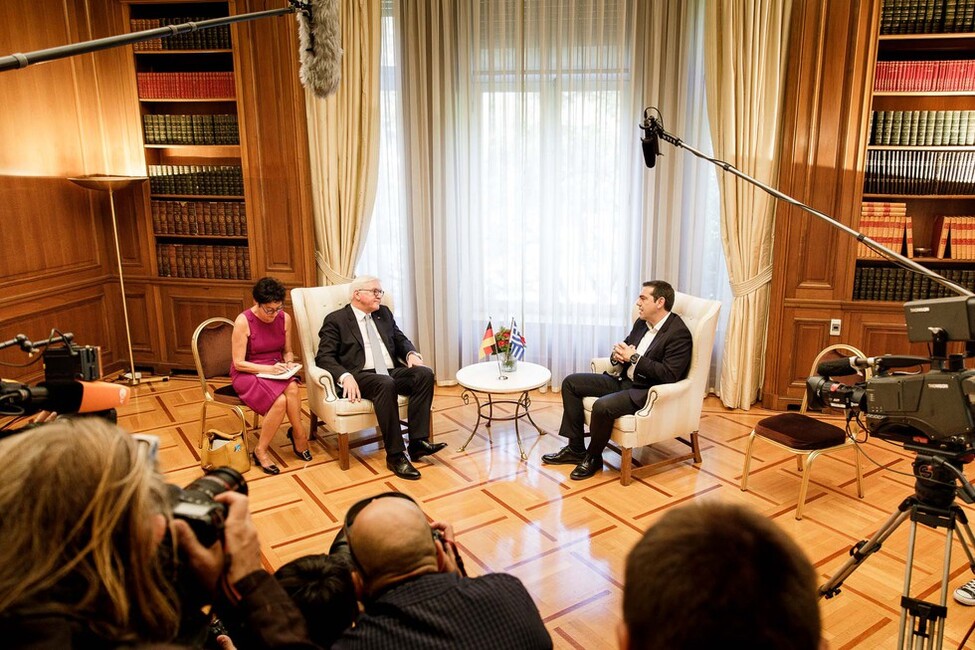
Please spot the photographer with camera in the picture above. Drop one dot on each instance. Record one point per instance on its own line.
(416, 593)
(84, 524)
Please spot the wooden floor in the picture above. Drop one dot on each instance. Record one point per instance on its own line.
(567, 540)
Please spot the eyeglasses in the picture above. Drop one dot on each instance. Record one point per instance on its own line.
(272, 310)
(376, 292)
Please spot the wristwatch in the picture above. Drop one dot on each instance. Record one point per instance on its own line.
(634, 358)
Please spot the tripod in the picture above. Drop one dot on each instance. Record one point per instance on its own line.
(932, 505)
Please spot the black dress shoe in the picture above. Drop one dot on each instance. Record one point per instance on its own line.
(401, 467)
(420, 448)
(271, 469)
(589, 466)
(302, 455)
(564, 456)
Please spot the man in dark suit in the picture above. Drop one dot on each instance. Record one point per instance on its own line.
(416, 593)
(657, 351)
(349, 340)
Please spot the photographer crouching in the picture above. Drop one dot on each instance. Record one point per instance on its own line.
(84, 517)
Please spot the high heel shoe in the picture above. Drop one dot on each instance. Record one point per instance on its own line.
(302, 455)
(271, 469)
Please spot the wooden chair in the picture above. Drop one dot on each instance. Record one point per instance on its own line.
(341, 416)
(213, 356)
(672, 411)
(803, 435)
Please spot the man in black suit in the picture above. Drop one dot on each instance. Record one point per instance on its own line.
(349, 339)
(657, 351)
(416, 593)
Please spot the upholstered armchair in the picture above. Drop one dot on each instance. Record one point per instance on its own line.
(672, 410)
(341, 416)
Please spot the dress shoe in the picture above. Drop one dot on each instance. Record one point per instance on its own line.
(302, 455)
(420, 448)
(589, 466)
(271, 469)
(564, 456)
(401, 467)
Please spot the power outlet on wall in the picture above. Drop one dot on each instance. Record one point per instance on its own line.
(834, 327)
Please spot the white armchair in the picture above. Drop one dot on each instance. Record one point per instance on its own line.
(672, 410)
(341, 416)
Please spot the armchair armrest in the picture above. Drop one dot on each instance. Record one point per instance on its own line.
(672, 396)
(323, 378)
(603, 364)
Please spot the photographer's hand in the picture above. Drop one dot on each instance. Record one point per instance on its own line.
(452, 560)
(239, 554)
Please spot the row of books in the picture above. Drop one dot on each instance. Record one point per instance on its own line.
(213, 38)
(924, 76)
(203, 261)
(955, 237)
(927, 16)
(921, 128)
(901, 285)
(220, 218)
(919, 172)
(212, 180)
(886, 223)
(186, 85)
(191, 129)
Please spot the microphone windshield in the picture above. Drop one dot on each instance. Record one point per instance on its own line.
(837, 368)
(79, 396)
(651, 149)
(320, 37)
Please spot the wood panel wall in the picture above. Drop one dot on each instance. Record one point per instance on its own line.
(79, 116)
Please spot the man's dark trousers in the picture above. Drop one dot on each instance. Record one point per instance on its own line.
(382, 390)
(614, 401)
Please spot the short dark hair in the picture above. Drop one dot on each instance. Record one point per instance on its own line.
(321, 586)
(719, 571)
(268, 290)
(661, 289)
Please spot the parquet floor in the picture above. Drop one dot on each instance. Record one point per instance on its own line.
(567, 540)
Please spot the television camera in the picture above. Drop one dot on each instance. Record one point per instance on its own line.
(69, 385)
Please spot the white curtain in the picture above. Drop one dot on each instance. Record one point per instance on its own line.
(746, 62)
(512, 184)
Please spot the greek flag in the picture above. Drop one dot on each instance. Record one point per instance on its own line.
(517, 342)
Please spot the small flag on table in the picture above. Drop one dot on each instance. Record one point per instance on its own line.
(517, 342)
(487, 343)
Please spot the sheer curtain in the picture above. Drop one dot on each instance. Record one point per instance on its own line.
(511, 179)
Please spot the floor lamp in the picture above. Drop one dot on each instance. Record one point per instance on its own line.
(109, 184)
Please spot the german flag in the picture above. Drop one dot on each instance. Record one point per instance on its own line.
(487, 343)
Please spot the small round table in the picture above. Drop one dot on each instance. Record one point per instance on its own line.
(487, 378)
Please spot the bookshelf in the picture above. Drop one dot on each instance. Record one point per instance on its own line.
(919, 174)
(191, 135)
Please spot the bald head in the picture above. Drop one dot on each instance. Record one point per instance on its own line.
(391, 540)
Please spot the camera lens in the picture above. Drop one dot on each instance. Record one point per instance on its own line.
(194, 504)
(221, 479)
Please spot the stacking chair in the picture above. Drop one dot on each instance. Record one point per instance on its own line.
(802, 435)
(341, 416)
(672, 411)
(213, 356)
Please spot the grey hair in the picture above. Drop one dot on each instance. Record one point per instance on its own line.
(360, 283)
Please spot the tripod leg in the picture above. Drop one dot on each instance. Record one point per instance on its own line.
(863, 549)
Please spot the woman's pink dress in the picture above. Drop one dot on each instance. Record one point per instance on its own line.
(265, 345)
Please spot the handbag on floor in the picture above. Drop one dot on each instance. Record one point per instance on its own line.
(221, 449)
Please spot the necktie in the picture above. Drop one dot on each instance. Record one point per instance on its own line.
(377, 347)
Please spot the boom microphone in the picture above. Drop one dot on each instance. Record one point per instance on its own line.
(62, 397)
(650, 140)
(320, 34)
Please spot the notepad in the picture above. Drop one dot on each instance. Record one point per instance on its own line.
(284, 375)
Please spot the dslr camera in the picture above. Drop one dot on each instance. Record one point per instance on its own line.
(194, 504)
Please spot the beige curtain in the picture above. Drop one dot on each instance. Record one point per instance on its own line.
(746, 45)
(343, 138)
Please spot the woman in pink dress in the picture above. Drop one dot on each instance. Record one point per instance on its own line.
(262, 344)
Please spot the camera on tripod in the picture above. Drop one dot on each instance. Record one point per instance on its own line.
(929, 412)
(71, 362)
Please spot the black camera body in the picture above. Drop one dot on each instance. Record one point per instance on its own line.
(194, 504)
(72, 362)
